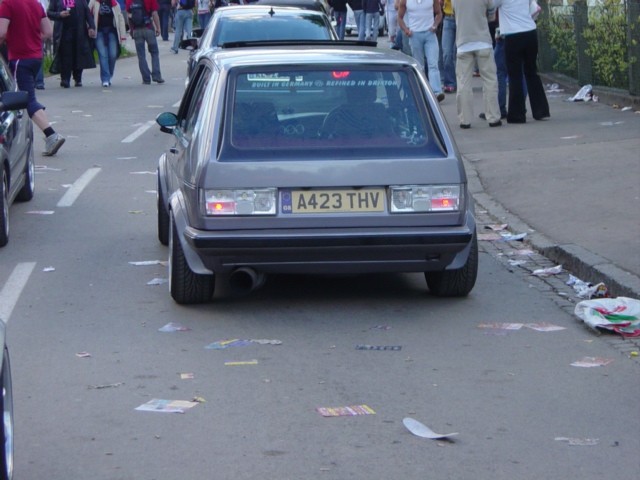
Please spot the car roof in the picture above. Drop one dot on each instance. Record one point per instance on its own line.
(254, 9)
(306, 53)
(317, 5)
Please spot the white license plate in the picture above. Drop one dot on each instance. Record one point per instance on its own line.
(333, 201)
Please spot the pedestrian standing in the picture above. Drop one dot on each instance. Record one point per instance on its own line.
(474, 47)
(204, 12)
(111, 32)
(164, 12)
(358, 16)
(340, 14)
(23, 26)
(392, 23)
(184, 21)
(73, 33)
(371, 9)
(144, 26)
(449, 47)
(419, 20)
(521, 55)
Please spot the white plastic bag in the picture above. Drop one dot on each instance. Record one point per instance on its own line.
(621, 314)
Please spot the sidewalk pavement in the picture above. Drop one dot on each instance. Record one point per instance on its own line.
(571, 182)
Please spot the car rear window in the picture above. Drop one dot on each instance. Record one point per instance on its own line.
(247, 28)
(354, 111)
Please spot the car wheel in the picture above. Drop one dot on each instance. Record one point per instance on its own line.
(4, 209)
(186, 287)
(163, 217)
(6, 405)
(26, 192)
(455, 283)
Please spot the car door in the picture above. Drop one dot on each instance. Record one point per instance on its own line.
(184, 156)
(12, 136)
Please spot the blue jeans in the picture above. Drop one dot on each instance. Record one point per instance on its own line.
(143, 36)
(184, 24)
(203, 19)
(164, 12)
(360, 18)
(449, 51)
(425, 45)
(372, 24)
(341, 23)
(107, 46)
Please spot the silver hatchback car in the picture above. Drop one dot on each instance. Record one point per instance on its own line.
(313, 158)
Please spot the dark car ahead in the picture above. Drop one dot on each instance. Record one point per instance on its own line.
(327, 158)
(258, 22)
(17, 175)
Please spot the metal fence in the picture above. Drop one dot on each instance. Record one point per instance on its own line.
(568, 33)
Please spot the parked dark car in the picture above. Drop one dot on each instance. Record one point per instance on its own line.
(258, 22)
(319, 5)
(6, 407)
(312, 158)
(17, 175)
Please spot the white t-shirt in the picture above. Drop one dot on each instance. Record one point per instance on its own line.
(514, 16)
(419, 15)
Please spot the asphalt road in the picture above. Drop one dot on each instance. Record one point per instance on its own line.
(509, 394)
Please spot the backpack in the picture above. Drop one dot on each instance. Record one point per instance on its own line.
(187, 4)
(139, 15)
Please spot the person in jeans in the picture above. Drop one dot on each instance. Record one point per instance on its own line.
(164, 12)
(184, 21)
(449, 47)
(371, 9)
(111, 31)
(204, 12)
(358, 15)
(419, 20)
(24, 26)
(340, 14)
(146, 35)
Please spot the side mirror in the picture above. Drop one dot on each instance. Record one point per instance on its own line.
(189, 44)
(14, 100)
(167, 121)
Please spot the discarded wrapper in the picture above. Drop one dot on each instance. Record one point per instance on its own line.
(349, 411)
(620, 315)
(578, 441)
(583, 95)
(173, 327)
(166, 406)
(588, 362)
(421, 430)
(585, 289)
(545, 272)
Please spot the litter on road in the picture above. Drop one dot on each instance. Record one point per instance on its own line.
(620, 315)
(349, 411)
(244, 362)
(421, 430)
(588, 362)
(222, 344)
(173, 327)
(106, 385)
(545, 272)
(394, 348)
(187, 376)
(585, 289)
(166, 406)
(83, 355)
(48, 269)
(578, 441)
(157, 281)
(149, 262)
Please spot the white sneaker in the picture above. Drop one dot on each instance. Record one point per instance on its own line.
(105, 84)
(52, 144)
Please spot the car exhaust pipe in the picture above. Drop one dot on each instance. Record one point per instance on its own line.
(244, 279)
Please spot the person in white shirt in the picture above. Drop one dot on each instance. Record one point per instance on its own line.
(521, 54)
(419, 20)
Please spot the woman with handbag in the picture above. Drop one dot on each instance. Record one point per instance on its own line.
(108, 17)
(73, 31)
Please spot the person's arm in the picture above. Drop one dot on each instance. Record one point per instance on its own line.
(401, 6)
(4, 27)
(156, 22)
(46, 30)
(91, 24)
(437, 16)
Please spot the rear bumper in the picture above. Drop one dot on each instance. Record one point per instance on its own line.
(333, 250)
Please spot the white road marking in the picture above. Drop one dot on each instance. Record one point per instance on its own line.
(13, 288)
(75, 190)
(139, 131)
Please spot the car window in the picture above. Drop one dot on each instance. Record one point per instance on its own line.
(189, 110)
(352, 110)
(247, 28)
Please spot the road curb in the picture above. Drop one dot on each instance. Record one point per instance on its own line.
(584, 264)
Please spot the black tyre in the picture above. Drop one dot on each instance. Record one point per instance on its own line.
(6, 406)
(455, 283)
(4, 208)
(163, 217)
(186, 287)
(26, 192)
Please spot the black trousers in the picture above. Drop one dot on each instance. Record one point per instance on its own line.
(521, 54)
(68, 60)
